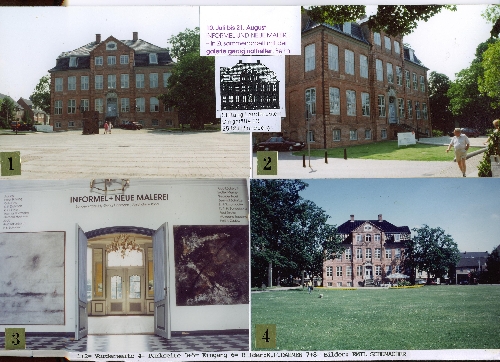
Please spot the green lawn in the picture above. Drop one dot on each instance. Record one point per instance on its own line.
(389, 150)
(432, 317)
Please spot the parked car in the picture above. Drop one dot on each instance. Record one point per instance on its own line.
(21, 126)
(469, 132)
(280, 144)
(131, 125)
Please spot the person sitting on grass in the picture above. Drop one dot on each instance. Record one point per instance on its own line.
(461, 144)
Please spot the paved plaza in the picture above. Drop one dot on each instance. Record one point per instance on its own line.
(290, 166)
(130, 154)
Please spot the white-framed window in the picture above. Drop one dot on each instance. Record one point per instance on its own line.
(397, 48)
(378, 253)
(166, 108)
(417, 109)
(376, 39)
(165, 79)
(401, 107)
(397, 238)
(367, 227)
(359, 238)
(98, 105)
(329, 271)
(339, 271)
(407, 78)
(111, 81)
(124, 59)
(368, 238)
(84, 82)
(422, 83)
(139, 80)
(59, 84)
(311, 100)
(349, 62)
(310, 136)
(98, 82)
(359, 253)
(388, 253)
(347, 27)
(98, 60)
(348, 270)
(359, 270)
(387, 42)
(84, 105)
(71, 124)
(154, 104)
(397, 255)
(363, 66)
(334, 100)
(424, 110)
(368, 134)
(353, 135)
(71, 106)
(155, 122)
(58, 107)
(383, 133)
(110, 45)
(381, 105)
(415, 85)
(397, 268)
(310, 57)
(73, 62)
(388, 269)
(153, 80)
(378, 270)
(124, 80)
(125, 105)
(339, 284)
(351, 102)
(348, 254)
(349, 284)
(399, 76)
(390, 74)
(377, 238)
(111, 59)
(169, 122)
(58, 125)
(153, 58)
(365, 104)
(329, 284)
(336, 135)
(410, 109)
(72, 83)
(379, 69)
(140, 104)
(333, 57)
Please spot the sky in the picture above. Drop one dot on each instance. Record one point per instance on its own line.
(32, 38)
(467, 209)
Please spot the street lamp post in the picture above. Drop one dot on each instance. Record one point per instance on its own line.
(308, 119)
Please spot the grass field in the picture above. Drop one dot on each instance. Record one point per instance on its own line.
(432, 317)
(389, 150)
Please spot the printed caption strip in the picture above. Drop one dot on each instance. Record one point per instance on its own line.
(10, 163)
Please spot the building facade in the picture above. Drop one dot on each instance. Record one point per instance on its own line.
(35, 115)
(470, 263)
(353, 86)
(121, 79)
(373, 250)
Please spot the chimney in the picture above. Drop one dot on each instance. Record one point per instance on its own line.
(98, 38)
(352, 218)
(134, 36)
(380, 217)
(258, 61)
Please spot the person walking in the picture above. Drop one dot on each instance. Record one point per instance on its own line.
(110, 127)
(460, 143)
(106, 127)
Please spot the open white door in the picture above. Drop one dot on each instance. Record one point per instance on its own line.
(161, 282)
(82, 323)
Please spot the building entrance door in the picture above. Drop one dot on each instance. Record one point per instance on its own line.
(111, 107)
(392, 113)
(368, 272)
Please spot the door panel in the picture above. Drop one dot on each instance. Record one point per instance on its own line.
(116, 290)
(82, 314)
(126, 291)
(161, 284)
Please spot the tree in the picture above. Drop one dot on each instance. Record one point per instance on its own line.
(288, 234)
(439, 103)
(184, 43)
(492, 15)
(488, 81)
(492, 274)
(7, 111)
(431, 250)
(392, 19)
(41, 94)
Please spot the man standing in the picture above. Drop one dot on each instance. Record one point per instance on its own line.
(461, 144)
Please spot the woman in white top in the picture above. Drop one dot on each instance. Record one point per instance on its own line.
(461, 144)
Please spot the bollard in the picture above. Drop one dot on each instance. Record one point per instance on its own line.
(345, 153)
(326, 156)
(303, 160)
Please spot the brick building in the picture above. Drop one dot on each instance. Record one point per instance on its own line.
(373, 250)
(355, 86)
(120, 79)
(35, 115)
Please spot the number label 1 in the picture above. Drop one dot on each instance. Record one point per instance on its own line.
(267, 163)
(265, 336)
(15, 338)
(10, 163)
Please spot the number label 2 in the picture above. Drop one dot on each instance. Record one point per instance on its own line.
(267, 163)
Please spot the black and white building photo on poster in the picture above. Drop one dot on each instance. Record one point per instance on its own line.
(250, 93)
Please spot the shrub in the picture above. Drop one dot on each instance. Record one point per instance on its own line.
(484, 168)
(437, 133)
